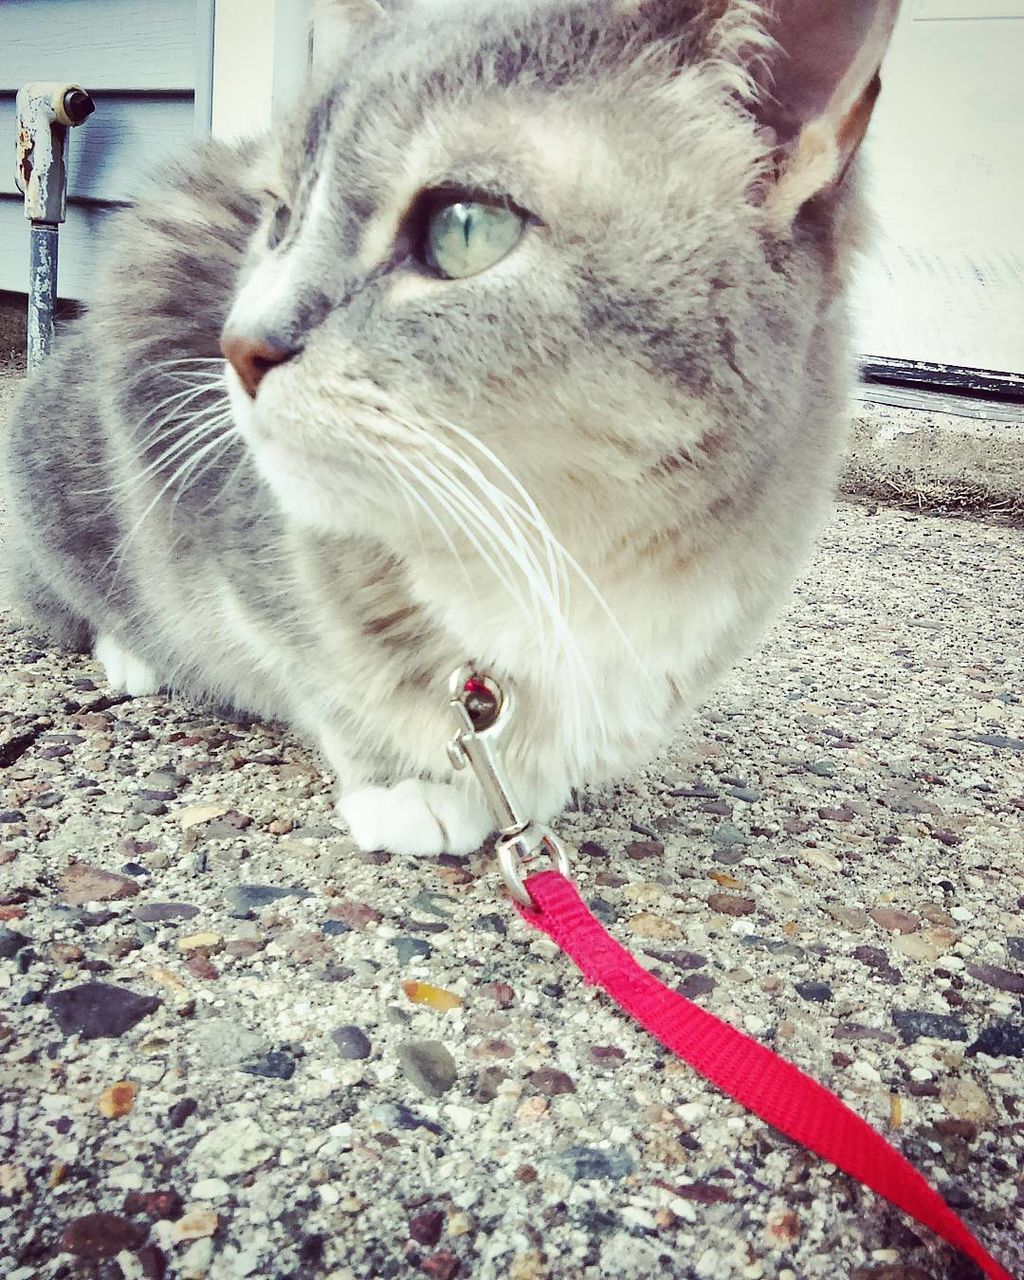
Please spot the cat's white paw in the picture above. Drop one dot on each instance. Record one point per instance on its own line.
(415, 817)
(124, 671)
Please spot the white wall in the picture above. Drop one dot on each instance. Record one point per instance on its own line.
(260, 57)
(945, 154)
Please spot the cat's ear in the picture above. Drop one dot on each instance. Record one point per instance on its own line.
(818, 84)
(338, 26)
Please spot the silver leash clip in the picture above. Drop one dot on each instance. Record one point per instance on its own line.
(481, 710)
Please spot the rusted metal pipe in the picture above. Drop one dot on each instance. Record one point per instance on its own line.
(46, 110)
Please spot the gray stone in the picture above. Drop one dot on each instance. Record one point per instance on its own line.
(595, 1163)
(1000, 741)
(274, 1065)
(429, 1066)
(410, 948)
(726, 834)
(351, 1042)
(158, 912)
(245, 899)
(163, 780)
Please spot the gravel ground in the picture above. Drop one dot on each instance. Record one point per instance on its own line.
(232, 1046)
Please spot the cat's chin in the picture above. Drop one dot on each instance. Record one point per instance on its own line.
(310, 497)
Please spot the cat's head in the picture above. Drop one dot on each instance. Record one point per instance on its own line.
(595, 243)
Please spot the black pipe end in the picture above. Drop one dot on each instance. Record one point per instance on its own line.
(78, 105)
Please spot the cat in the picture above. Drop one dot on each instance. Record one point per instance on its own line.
(522, 343)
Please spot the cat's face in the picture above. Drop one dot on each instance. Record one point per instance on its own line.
(529, 237)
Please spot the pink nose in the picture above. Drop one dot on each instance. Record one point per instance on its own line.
(252, 358)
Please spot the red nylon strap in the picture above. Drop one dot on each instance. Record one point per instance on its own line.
(763, 1082)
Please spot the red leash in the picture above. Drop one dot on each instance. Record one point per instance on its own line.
(764, 1083)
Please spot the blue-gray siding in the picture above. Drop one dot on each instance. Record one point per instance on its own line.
(147, 65)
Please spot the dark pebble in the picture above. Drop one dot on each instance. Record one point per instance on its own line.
(311, 1250)
(441, 1266)
(399, 1116)
(181, 1111)
(745, 794)
(98, 1010)
(101, 1235)
(816, 992)
(640, 849)
(550, 1082)
(699, 791)
(409, 949)
(424, 926)
(1000, 741)
(151, 808)
(245, 899)
(730, 904)
(696, 984)
(157, 912)
(11, 942)
(154, 1204)
(332, 972)
(922, 1088)
(878, 960)
(1015, 948)
(492, 923)
(680, 959)
(91, 919)
(134, 869)
(604, 911)
(594, 1163)
(12, 815)
(1000, 1040)
(273, 1066)
(487, 1082)
(914, 1023)
(607, 1055)
(703, 1193)
(994, 976)
(334, 928)
(351, 1042)
(161, 797)
(24, 959)
(426, 1227)
(591, 849)
(152, 1261)
(728, 855)
(855, 1031)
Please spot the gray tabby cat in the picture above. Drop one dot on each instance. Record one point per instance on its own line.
(536, 356)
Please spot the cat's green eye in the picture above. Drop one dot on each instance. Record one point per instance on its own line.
(468, 236)
(280, 221)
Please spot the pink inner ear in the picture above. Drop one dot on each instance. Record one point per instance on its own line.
(819, 41)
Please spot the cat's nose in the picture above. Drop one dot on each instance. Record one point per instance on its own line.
(252, 358)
